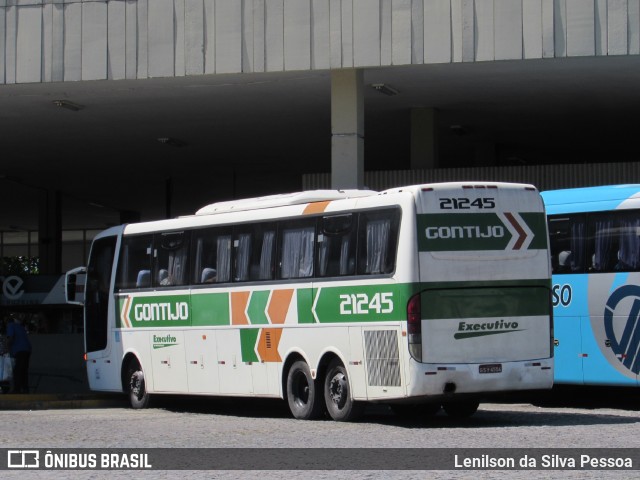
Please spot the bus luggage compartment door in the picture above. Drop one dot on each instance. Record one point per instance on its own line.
(485, 324)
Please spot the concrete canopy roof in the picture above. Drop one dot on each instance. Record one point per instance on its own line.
(241, 135)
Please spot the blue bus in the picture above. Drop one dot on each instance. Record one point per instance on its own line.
(595, 255)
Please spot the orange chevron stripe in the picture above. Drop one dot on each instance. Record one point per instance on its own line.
(268, 344)
(239, 302)
(125, 312)
(279, 305)
(315, 207)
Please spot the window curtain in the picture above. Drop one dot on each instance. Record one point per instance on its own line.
(323, 255)
(243, 255)
(577, 246)
(197, 262)
(345, 267)
(223, 258)
(603, 242)
(266, 255)
(377, 245)
(629, 253)
(297, 253)
(176, 267)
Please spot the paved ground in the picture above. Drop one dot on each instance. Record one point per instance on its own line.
(200, 422)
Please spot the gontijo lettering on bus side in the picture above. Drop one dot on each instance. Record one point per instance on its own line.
(481, 231)
(354, 303)
(161, 311)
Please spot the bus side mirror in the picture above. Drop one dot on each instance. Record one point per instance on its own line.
(74, 286)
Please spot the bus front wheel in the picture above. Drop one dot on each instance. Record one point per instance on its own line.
(303, 396)
(138, 395)
(337, 394)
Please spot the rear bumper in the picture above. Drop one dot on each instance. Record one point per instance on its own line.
(449, 379)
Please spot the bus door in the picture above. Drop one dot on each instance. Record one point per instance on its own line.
(103, 373)
(568, 322)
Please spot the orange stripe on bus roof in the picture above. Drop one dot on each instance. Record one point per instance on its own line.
(315, 207)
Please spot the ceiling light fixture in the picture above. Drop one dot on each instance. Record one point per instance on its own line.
(173, 142)
(385, 89)
(74, 107)
(458, 130)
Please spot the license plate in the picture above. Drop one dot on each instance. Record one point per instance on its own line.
(491, 368)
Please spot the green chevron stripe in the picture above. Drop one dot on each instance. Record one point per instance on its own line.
(257, 307)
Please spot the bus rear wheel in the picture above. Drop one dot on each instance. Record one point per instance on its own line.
(138, 395)
(461, 409)
(337, 394)
(303, 396)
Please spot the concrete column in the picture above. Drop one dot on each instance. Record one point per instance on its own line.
(347, 129)
(50, 232)
(424, 138)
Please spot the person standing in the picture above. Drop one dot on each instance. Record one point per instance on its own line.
(20, 350)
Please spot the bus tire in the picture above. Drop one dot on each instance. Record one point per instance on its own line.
(461, 409)
(337, 394)
(138, 395)
(303, 395)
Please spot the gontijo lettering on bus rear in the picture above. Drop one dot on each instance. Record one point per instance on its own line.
(509, 231)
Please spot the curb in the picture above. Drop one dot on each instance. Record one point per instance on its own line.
(60, 401)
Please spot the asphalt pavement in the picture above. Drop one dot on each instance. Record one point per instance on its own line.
(60, 401)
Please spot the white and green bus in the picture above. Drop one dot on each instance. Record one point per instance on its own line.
(420, 297)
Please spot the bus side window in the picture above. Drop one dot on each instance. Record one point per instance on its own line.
(567, 243)
(628, 255)
(171, 252)
(337, 246)
(377, 241)
(559, 244)
(297, 249)
(134, 264)
(211, 256)
(254, 249)
(603, 242)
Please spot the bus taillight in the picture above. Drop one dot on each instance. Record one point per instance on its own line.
(414, 327)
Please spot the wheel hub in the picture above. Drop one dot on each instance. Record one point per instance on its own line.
(338, 390)
(136, 384)
(302, 390)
